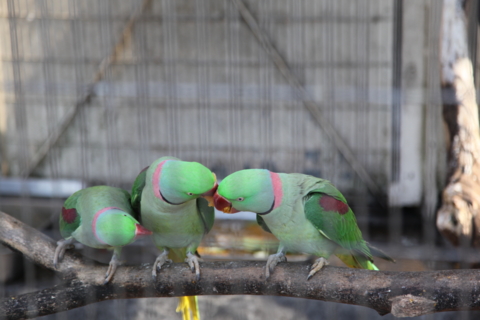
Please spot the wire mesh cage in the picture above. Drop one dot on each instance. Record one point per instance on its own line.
(91, 92)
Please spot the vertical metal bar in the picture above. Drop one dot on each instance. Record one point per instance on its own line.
(78, 35)
(268, 70)
(433, 134)
(232, 25)
(79, 59)
(473, 13)
(50, 87)
(330, 80)
(395, 220)
(360, 109)
(291, 38)
(266, 157)
(142, 84)
(21, 121)
(110, 105)
(20, 106)
(397, 89)
(203, 79)
(144, 109)
(169, 25)
(296, 46)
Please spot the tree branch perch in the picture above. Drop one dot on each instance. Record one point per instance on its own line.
(400, 293)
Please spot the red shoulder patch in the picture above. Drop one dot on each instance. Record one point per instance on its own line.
(69, 215)
(331, 204)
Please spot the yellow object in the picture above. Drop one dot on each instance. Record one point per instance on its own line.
(188, 306)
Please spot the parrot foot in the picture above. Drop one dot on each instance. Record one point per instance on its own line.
(112, 267)
(192, 261)
(62, 246)
(272, 261)
(319, 264)
(159, 262)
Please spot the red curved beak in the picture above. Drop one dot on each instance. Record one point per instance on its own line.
(141, 231)
(223, 204)
(209, 194)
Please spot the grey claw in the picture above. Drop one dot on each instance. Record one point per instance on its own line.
(318, 265)
(159, 262)
(192, 261)
(272, 261)
(62, 246)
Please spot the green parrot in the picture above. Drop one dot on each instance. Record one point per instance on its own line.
(99, 217)
(175, 201)
(306, 214)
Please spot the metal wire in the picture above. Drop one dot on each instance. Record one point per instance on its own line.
(98, 90)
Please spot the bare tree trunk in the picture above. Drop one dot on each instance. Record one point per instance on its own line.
(457, 218)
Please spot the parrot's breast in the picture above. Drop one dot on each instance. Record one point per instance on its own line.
(296, 233)
(172, 229)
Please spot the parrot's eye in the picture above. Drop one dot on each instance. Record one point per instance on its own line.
(190, 194)
(240, 199)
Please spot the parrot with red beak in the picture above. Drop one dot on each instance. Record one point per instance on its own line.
(175, 201)
(306, 214)
(99, 217)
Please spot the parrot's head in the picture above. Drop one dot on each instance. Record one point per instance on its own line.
(246, 190)
(180, 181)
(116, 227)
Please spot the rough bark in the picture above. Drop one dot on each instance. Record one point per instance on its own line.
(457, 218)
(404, 294)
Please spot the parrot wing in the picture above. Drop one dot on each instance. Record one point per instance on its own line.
(328, 211)
(207, 214)
(70, 218)
(137, 190)
(379, 253)
(262, 223)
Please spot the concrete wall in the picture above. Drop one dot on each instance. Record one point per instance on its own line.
(194, 82)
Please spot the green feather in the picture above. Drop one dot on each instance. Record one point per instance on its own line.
(339, 228)
(137, 190)
(66, 229)
(207, 214)
(262, 223)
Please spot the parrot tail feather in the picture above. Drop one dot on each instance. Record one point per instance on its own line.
(356, 261)
(371, 266)
(379, 253)
(188, 306)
